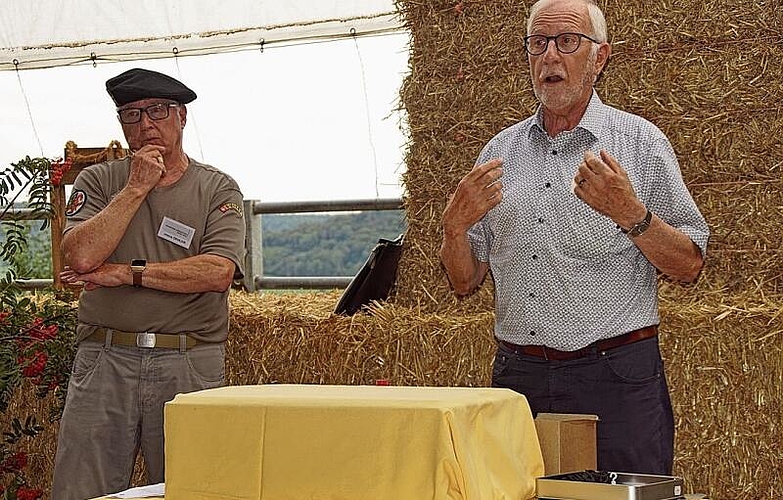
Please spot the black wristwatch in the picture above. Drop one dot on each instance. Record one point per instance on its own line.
(137, 268)
(640, 226)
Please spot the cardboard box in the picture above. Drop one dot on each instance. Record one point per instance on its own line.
(567, 441)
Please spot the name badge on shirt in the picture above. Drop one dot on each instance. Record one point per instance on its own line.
(176, 232)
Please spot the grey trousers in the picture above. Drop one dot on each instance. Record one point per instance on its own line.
(114, 408)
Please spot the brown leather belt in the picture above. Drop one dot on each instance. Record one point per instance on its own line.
(144, 339)
(544, 352)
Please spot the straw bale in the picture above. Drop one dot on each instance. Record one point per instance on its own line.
(704, 72)
(296, 340)
(724, 357)
(723, 351)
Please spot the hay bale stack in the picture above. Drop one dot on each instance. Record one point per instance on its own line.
(724, 357)
(724, 361)
(707, 73)
(295, 339)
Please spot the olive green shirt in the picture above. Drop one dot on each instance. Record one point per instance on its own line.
(205, 203)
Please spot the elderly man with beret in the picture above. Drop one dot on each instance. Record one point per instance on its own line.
(157, 239)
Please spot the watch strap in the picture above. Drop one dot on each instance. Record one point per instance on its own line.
(640, 226)
(136, 277)
(137, 268)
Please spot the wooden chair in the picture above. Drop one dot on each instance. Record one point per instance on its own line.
(80, 158)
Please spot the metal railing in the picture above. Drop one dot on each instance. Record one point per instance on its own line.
(254, 260)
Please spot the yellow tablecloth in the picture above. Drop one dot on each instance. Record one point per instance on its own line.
(308, 442)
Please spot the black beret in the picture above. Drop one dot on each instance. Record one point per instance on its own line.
(136, 84)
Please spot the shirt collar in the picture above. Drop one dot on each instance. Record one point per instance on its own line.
(592, 120)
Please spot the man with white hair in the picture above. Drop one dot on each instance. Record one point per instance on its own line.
(574, 211)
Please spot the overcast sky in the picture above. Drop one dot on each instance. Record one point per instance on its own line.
(303, 122)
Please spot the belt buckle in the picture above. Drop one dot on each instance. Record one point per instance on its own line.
(145, 339)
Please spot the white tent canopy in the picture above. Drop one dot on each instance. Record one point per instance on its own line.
(299, 121)
(47, 33)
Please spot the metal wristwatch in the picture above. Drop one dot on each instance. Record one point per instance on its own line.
(640, 226)
(137, 268)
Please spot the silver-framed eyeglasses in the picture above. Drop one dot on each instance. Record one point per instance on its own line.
(566, 43)
(159, 111)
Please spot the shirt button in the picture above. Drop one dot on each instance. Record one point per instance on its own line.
(532, 332)
(532, 295)
(535, 257)
(548, 184)
(554, 152)
(540, 220)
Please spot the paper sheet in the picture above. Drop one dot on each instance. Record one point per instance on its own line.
(151, 490)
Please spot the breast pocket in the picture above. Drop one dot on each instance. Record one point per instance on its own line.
(586, 234)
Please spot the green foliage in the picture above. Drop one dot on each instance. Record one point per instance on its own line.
(19, 431)
(324, 244)
(36, 330)
(36, 261)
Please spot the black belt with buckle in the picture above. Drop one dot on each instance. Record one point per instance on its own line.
(144, 339)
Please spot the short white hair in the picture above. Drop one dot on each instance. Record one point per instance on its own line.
(597, 19)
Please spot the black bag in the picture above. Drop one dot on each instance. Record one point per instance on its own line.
(374, 279)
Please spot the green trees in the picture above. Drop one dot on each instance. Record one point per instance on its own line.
(324, 244)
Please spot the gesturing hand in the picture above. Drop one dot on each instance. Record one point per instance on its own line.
(478, 192)
(604, 185)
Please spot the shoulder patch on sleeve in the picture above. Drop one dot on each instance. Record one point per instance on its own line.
(231, 207)
(75, 202)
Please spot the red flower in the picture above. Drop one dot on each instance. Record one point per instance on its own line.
(35, 365)
(3, 316)
(24, 493)
(40, 332)
(15, 462)
(58, 169)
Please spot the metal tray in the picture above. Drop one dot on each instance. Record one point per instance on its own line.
(627, 487)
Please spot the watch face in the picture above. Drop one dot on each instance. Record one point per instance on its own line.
(138, 262)
(639, 228)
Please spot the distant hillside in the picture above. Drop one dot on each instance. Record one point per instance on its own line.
(293, 245)
(324, 244)
(37, 258)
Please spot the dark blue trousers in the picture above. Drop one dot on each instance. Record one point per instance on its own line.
(625, 387)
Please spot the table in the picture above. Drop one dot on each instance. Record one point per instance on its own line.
(273, 442)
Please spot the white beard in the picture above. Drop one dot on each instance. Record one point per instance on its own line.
(564, 98)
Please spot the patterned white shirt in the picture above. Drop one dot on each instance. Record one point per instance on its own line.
(565, 275)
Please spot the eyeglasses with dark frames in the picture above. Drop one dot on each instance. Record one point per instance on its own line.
(566, 43)
(159, 111)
